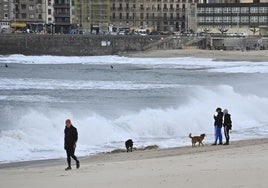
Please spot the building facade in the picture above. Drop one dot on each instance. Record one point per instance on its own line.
(160, 15)
(250, 18)
(6, 14)
(70, 16)
(29, 12)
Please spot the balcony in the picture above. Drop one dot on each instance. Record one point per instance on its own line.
(61, 5)
(61, 15)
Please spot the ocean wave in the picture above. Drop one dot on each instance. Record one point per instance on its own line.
(190, 63)
(38, 132)
(51, 84)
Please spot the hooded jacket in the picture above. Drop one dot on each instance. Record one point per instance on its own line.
(70, 137)
(227, 121)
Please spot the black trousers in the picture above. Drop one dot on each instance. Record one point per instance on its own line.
(226, 134)
(70, 153)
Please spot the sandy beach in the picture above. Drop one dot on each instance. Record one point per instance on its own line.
(217, 55)
(241, 164)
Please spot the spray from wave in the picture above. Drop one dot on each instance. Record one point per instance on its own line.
(37, 133)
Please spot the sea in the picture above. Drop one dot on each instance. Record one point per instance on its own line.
(109, 99)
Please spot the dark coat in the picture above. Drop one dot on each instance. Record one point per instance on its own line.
(70, 137)
(218, 119)
(227, 121)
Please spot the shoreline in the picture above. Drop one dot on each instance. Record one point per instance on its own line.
(241, 164)
(216, 55)
(135, 155)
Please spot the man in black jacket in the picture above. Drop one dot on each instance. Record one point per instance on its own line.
(218, 125)
(70, 139)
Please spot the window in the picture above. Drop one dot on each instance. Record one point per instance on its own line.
(218, 19)
(142, 16)
(31, 16)
(218, 10)
(201, 19)
(201, 10)
(253, 9)
(235, 10)
(49, 11)
(227, 10)
(235, 19)
(254, 19)
(209, 10)
(245, 10)
(244, 19)
(263, 18)
(23, 15)
(226, 19)
(5, 15)
(263, 10)
(209, 19)
(31, 7)
(23, 6)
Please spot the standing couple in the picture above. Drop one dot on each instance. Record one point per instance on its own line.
(222, 119)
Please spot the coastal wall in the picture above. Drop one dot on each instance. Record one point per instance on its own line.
(32, 44)
(87, 45)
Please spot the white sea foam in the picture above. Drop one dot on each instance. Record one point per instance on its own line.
(39, 132)
(50, 84)
(204, 64)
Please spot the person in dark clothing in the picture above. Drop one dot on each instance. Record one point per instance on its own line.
(227, 124)
(218, 125)
(70, 139)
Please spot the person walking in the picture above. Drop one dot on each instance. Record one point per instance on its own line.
(227, 125)
(218, 125)
(70, 139)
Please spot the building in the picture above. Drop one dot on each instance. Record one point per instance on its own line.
(160, 15)
(31, 13)
(6, 14)
(246, 16)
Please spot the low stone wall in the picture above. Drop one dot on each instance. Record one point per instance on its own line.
(32, 44)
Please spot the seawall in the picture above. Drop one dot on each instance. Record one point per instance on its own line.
(82, 45)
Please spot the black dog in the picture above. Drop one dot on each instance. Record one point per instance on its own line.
(129, 145)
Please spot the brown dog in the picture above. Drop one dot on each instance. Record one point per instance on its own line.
(196, 139)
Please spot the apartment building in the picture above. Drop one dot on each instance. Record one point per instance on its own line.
(161, 15)
(246, 16)
(6, 14)
(29, 12)
(61, 16)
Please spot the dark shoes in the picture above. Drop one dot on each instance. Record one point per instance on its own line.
(214, 144)
(77, 164)
(226, 143)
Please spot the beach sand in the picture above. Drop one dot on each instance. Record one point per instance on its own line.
(241, 164)
(218, 55)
